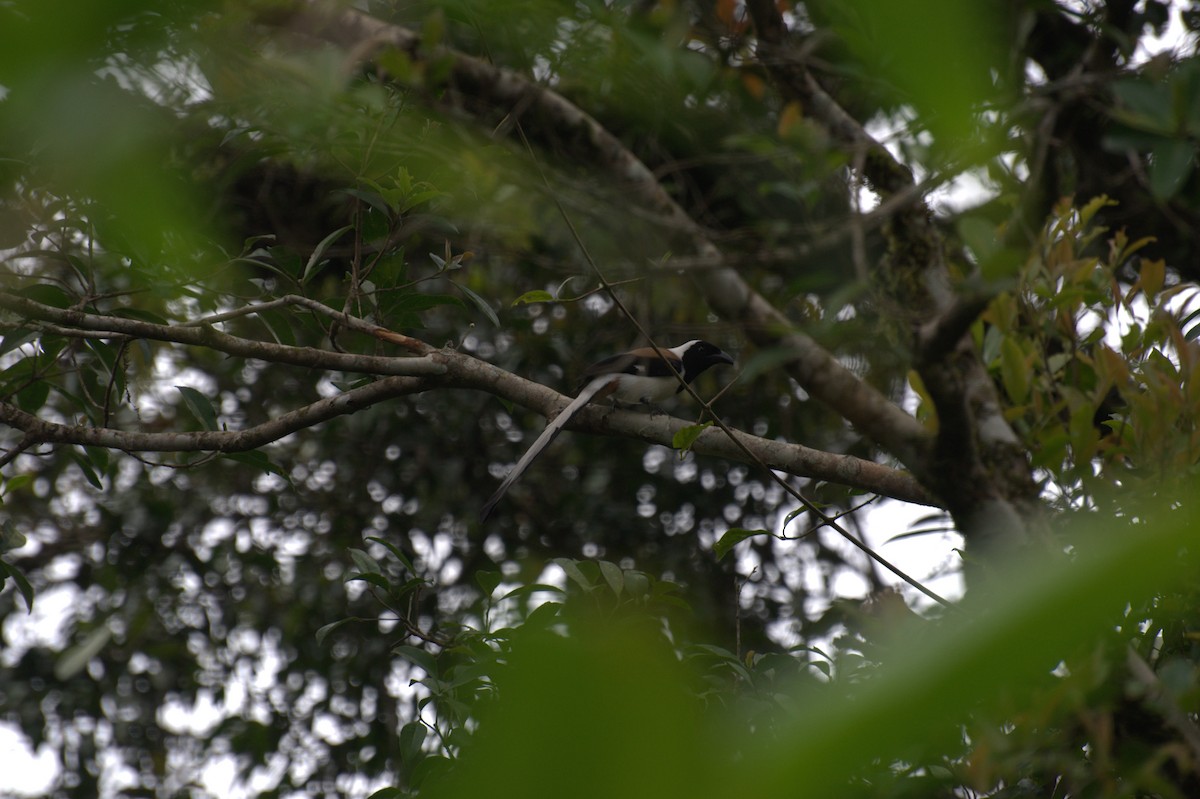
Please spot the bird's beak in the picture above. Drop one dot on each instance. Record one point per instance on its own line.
(724, 357)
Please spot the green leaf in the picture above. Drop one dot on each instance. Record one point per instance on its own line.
(98, 457)
(279, 325)
(637, 584)
(371, 198)
(821, 666)
(373, 578)
(484, 307)
(471, 672)
(410, 201)
(1144, 105)
(395, 550)
(532, 588)
(324, 631)
(795, 513)
(200, 406)
(418, 657)
(14, 339)
(311, 267)
(613, 576)
(350, 385)
(571, 567)
(488, 580)
(48, 294)
(412, 735)
(1151, 276)
(979, 233)
(685, 437)
(259, 460)
(406, 308)
(416, 302)
(365, 562)
(33, 396)
(279, 261)
(1014, 370)
(529, 297)
(398, 590)
(732, 538)
(1170, 166)
(23, 586)
(88, 472)
(999, 646)
(388, 793)
(722, 656)
(1093, 207)
(430, 766)
(543, 615)
(10, 537)
(140, 314)
(14, 483)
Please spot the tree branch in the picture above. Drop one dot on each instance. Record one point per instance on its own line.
(322, 410)
(938, 337)
(198, 334)
(977, 465)
(813, 367)
(435, 369)
(794, 459)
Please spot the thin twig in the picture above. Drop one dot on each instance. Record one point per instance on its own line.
(204, 335)
(220, 440)
(245, 310)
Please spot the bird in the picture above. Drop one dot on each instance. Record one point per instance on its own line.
(641, 376)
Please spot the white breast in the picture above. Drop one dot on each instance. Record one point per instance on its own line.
(632, 389)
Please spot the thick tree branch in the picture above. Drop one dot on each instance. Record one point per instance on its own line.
(937, 338)
(793, 459)
(977, 465)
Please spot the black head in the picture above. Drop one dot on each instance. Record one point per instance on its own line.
(698, 356)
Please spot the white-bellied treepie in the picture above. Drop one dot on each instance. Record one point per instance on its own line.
(637, 377)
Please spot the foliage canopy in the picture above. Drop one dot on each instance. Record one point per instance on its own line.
(286, 285)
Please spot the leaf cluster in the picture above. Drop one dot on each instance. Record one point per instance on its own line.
(325, 603)
(1044, 689)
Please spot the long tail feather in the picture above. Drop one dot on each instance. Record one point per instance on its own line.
(552, 429)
